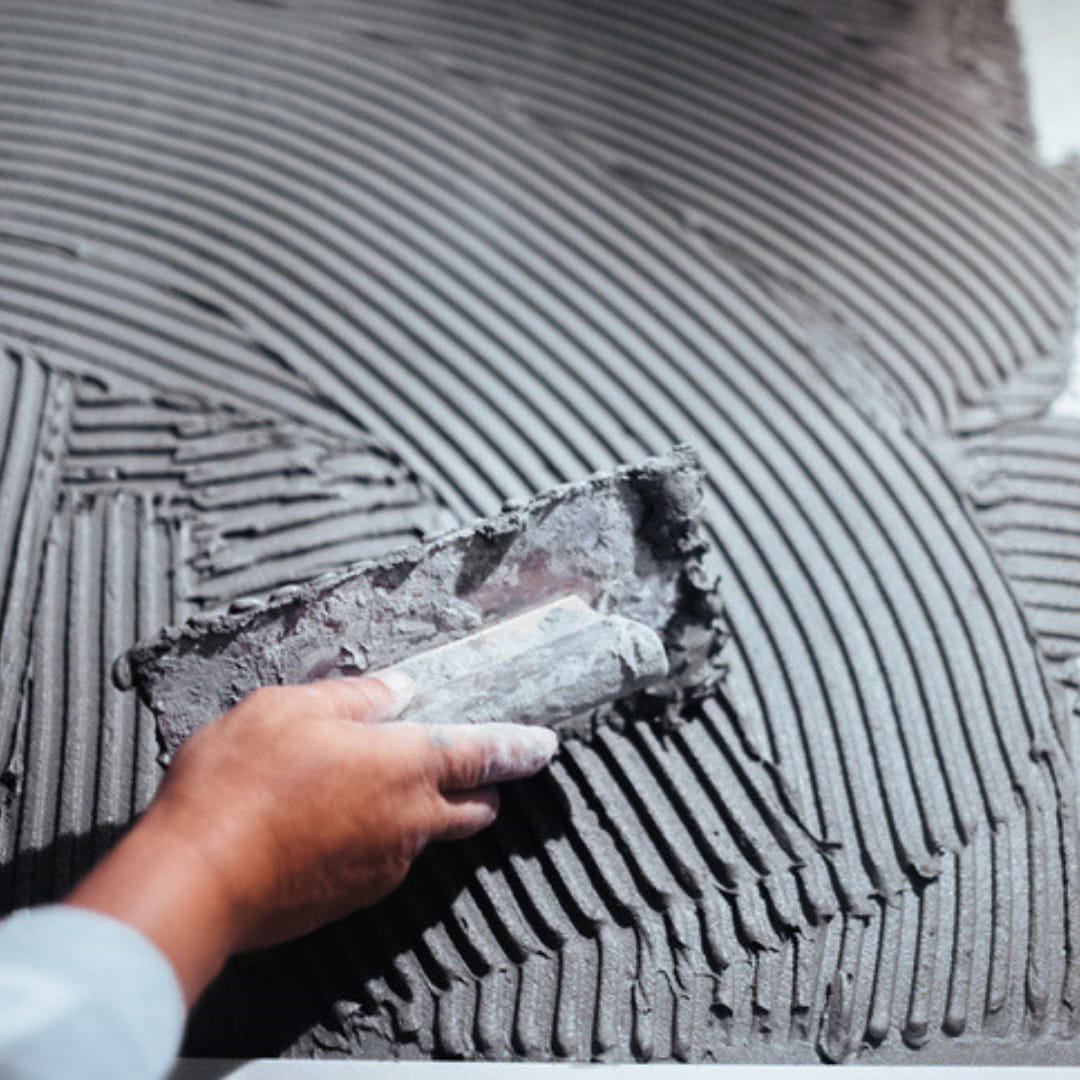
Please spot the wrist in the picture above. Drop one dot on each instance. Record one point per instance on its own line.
(157, 881)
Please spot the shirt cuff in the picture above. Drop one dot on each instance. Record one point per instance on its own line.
(107, 995)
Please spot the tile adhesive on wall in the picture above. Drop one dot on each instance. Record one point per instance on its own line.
(283, 285)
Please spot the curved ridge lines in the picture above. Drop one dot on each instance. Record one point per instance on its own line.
(462, 245)
(1023, 480)
(417, 312)
(915, 312)
(586, 109)
(671, 161)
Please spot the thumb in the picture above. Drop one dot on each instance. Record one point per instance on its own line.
(372, 699)
(475, 755)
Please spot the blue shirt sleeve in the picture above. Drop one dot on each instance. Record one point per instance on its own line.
(84, 995)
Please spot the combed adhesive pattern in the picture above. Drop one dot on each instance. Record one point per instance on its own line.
(282, 287)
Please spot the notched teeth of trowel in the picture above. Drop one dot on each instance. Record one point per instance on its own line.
(628, 543)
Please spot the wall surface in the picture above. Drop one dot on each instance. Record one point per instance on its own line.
(286, 284)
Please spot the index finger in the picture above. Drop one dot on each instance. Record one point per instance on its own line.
(371, 699)
(474, 755)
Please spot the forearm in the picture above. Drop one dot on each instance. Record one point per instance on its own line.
(157, 881)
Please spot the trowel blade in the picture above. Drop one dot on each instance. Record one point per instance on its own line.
(627, 543)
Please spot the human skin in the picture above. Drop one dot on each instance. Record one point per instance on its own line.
(293, 809)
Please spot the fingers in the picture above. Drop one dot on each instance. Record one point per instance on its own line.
(469, 757)
(465, 813)
(371, 699)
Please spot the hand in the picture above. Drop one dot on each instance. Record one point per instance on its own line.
(295, 808)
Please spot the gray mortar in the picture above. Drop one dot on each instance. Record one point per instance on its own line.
(629, 543)
(514, 243)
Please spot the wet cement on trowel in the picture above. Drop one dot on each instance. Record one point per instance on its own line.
(627, 544)
(313, 281)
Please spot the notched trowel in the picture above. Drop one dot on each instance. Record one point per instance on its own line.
(592, 602)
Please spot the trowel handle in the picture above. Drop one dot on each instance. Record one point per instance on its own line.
(544, 667)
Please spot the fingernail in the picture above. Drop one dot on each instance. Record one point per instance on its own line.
(400, 686)
(509, 751)
(537, 746)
